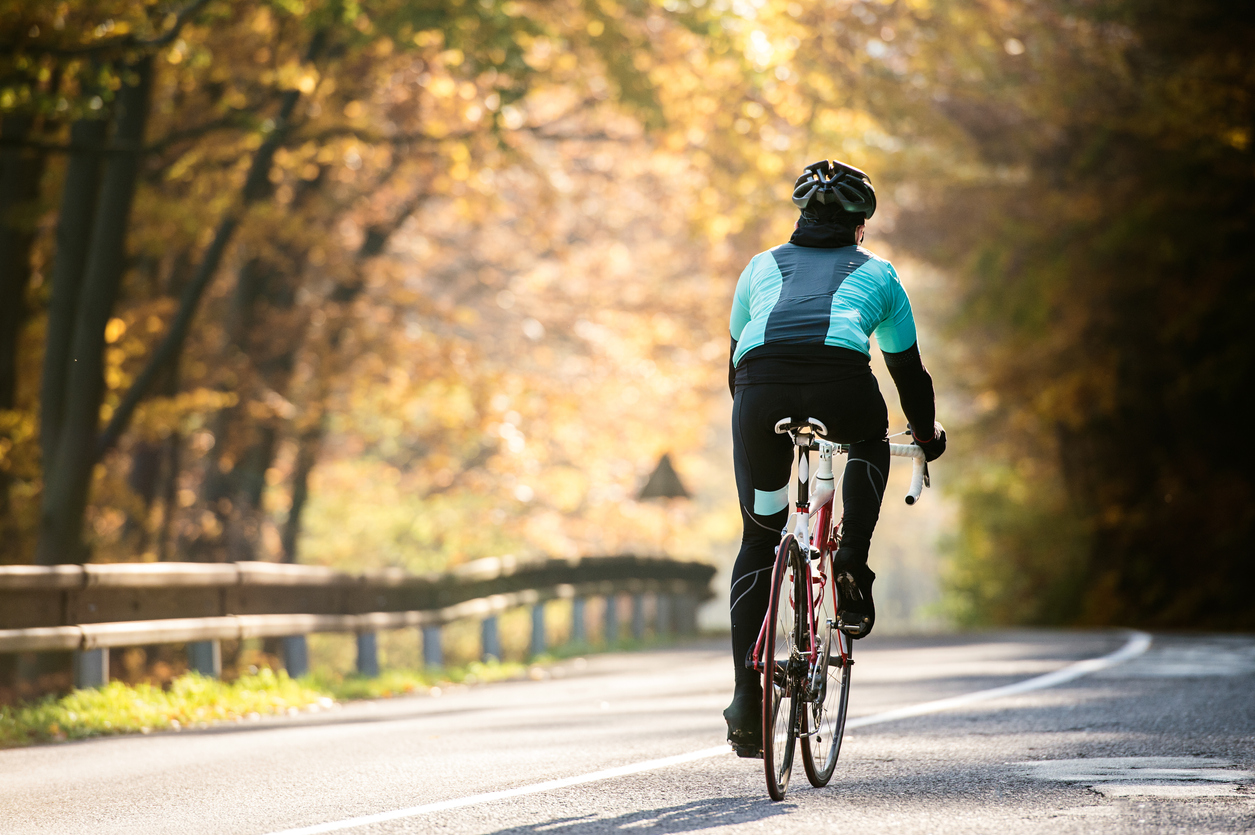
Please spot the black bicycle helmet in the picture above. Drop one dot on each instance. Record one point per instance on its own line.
(832, 183)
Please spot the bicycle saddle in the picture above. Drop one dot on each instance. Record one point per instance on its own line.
(810, 426)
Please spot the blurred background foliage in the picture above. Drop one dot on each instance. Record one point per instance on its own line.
(411, 282)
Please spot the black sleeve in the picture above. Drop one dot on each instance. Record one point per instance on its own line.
(732, 370)
(915, 389)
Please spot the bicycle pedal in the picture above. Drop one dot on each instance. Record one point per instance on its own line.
(853, 630)
(748, 752)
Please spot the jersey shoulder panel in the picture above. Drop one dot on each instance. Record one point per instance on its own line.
(895, 331)
(877, 265)
(757, 292)
(741, 310)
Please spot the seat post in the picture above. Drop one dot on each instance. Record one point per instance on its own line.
(803, 473)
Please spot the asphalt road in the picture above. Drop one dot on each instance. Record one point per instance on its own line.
(1161, 742)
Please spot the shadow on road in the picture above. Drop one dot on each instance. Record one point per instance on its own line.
(686, 817)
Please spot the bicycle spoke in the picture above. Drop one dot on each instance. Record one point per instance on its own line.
(828, 683)
(781, 697)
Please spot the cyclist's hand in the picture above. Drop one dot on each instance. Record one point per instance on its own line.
(934, 447)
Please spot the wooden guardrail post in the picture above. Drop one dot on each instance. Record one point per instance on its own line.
(579, 621)
(490, 640)
(91, 668)
(433, 651)
(295, 655)
(367, 654)
(638, 616)
(611, 635)
(538, 628)
(205, 657)
(663, 621)
(685, 608)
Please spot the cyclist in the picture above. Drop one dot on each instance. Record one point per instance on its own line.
(801, 318)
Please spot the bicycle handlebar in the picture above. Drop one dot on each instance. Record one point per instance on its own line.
(807, 440)
(919, 470)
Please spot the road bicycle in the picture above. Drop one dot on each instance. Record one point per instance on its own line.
(804, 651)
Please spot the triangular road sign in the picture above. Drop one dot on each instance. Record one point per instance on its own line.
(664, 482)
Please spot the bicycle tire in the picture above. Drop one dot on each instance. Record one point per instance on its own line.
(780, 705)
(824, 714)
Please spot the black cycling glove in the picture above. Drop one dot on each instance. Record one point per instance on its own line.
(934, 447)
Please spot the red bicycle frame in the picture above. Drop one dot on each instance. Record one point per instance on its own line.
(827, 544)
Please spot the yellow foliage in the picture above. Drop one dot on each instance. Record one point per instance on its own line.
(114, 330)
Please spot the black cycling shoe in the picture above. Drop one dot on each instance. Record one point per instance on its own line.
(856, 611)
(745, 724)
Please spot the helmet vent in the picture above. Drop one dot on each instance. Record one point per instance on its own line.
(833, 183)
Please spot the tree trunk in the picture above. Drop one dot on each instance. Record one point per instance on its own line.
(169, 494)
(147, 461)
(20, 175)
(172, 446)
(266, 332)
(67, 479)
(308, 445)
(74, 223)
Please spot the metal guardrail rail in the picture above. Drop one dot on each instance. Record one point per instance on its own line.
(91, 608)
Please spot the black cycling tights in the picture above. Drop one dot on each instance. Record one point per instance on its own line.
(854, 412)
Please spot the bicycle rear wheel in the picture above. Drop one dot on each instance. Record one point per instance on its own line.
(781, 702)
(828, 684)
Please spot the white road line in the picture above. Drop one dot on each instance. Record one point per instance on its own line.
(1137, 644)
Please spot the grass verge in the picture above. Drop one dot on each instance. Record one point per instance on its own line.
(193, 700)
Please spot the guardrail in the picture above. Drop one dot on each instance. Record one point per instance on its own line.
(89, 609)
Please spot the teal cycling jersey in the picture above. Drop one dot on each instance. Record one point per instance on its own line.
(825, 296)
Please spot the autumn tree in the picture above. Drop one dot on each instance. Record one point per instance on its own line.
(1106, 269)
(267, 126)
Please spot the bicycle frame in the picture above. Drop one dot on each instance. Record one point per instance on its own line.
(800, 524)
